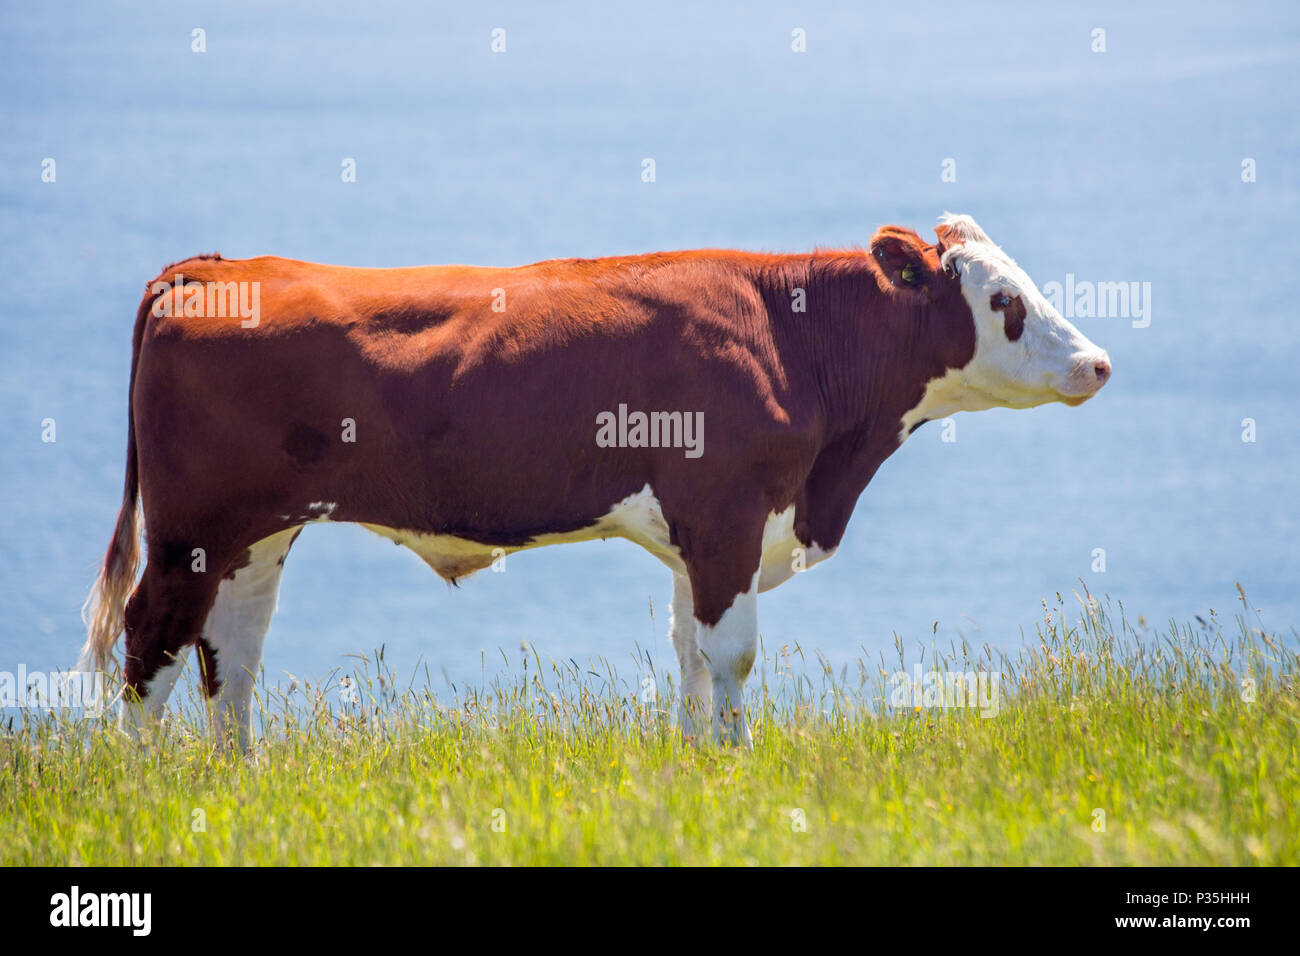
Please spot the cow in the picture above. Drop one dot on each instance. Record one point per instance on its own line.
(724, 410)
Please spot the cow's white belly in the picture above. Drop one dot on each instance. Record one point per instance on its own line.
(637, 518)
(784, 555)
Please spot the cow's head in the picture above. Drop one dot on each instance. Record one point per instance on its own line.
(1025, 352)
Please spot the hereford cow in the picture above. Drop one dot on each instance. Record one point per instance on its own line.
(724, 410)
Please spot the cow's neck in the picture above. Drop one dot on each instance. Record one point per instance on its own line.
(864, 355)
(867, 364)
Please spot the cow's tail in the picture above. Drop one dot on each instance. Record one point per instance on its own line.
(105, 608)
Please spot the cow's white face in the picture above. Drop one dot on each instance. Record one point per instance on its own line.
(1026, 353)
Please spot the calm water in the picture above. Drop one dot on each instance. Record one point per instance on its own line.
(1115, 166)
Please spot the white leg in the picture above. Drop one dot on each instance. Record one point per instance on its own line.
(138, 717)
(236, 630)
(730, 647)
(697, 684)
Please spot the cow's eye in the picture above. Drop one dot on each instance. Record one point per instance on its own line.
(1000, 301)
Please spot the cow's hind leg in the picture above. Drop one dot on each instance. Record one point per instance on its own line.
(230, 649)
(697, 684)
(163, 619)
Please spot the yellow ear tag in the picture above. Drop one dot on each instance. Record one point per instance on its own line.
(909, 274)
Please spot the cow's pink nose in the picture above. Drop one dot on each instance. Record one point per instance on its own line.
(1101, 369)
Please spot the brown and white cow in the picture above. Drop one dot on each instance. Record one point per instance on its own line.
(458, 410)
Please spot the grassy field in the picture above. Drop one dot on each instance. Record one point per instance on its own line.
(1113, 744)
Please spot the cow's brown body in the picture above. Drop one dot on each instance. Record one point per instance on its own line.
(473, 396)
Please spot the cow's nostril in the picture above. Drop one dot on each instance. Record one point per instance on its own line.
(1102, 369)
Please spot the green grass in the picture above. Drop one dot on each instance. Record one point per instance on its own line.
(564, 766)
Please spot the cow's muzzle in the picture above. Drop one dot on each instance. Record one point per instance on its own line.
(1089, 374)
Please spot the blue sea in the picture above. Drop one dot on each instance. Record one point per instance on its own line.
(1171, 157)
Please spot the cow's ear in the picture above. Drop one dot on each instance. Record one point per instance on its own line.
(902, 258)
(948, 236)
(946, 242)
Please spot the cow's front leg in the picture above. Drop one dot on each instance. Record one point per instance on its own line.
(730, 646)
(723, 560)
(697, 683)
